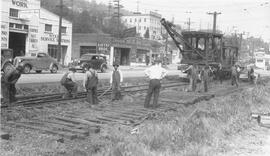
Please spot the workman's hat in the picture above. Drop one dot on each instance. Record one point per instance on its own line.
(20, 68)
(72, 69)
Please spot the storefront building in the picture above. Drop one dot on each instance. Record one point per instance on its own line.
(27, 28)
(128, 51)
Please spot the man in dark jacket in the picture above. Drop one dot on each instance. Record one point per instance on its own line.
(115, 81)
(8, 81)
(234, 75)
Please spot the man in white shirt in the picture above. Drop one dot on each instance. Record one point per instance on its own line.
(71, 83)
(115, 81)
(155, 73)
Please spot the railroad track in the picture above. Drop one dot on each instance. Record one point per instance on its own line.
(49, 98)
(79, 125)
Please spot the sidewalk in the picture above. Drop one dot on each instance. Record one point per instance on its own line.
(124, 68)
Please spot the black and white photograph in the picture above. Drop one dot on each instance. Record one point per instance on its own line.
(135, 78)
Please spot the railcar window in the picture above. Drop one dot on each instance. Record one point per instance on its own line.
(201, 44)
(194, 42)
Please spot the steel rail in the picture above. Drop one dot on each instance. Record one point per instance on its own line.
(47, 98)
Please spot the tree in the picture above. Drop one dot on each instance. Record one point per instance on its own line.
(146, 34)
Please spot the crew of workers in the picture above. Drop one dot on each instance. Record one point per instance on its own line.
(155, 73)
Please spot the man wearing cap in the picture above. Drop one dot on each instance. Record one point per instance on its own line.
(90, 83)
(8, 81)
(71, 83)
(115, 81)
(155, 73)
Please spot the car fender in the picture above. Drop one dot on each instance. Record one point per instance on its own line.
(26, 63)
(103, 65)
(52, 64)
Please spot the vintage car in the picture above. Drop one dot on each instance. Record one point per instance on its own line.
(97, 60)
(37, 62)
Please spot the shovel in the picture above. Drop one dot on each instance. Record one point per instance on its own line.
(105, 92)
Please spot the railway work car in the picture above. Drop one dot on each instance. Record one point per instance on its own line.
(203, 48)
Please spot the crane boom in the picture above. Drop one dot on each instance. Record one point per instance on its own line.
(173, 33)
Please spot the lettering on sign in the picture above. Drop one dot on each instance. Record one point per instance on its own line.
(4, 36)
(54, 38)
(33, 30)
(20, 3)
(3, 26)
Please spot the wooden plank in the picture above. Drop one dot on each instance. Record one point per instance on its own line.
(64, 123)
(48, 130)
(112, 120)
(120, 118)
(57, 126)
(76, 121)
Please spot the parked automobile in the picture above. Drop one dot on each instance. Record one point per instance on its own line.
(37, 62)
(97, 60)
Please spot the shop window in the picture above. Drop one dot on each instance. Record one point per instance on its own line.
(25, 27)
(64, 30)
(52, 50)
(87, 50)
(48, 27)
(11, 25)
(18, 26)
(13, 12)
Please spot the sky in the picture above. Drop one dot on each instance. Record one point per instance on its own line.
(250, 17)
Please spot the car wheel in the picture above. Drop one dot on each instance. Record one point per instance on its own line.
(27, 69)
(54, 69)
(38, 71)
(103, 69)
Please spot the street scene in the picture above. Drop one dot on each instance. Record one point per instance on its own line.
(135, 78)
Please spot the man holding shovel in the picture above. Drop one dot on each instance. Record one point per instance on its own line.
(115, 81)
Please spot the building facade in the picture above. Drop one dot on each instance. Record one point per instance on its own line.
(27, 28)
(129, 51)
(145, 22)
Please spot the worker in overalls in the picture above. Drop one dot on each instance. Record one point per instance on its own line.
(90, 83)
(234, 75)
(115, 81)
(193, 76)
(8, 81)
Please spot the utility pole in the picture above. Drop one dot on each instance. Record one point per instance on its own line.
(60, 33)
(118, 7)
(109, 8)
(189, 23)
(138, 6)
(214, 20)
